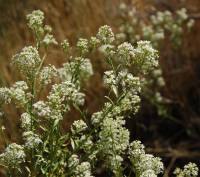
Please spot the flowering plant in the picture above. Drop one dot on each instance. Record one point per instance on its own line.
(159, 27)
(94, 144)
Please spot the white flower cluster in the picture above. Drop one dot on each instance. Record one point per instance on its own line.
(79, 169)
(157, 74)
(125, 79)
(146, 55)
(65, 45)
(110, 80)
(48, 28)
(41, 109)
(59, 100)
(66, 91)
(126, 52)
(189, 170)
(5, 95)
(32, 140)
(35, 21)
(148, 173)
(97, 118)
(84, 143)
(47, 74)
(182, 13)
(130, 85)
(79, 126)
(107, 50)
(113, 141)
(83, 46)
(113, 136)
(26, 121)
(143, 163)
(49, 39)
(129, 82)
(94, 42)
(83, 170)
(18, 92)
(41, 31)
(77, 70)
(152, 35)
(133, 27)
(27, 61)
(15, 93)
(105, 35)
(103, 140)
(13, 156)
(131, 102)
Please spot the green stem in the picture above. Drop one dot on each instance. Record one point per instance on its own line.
(30, 110)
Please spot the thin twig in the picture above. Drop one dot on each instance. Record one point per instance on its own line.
(178, 153)
(195, 16)
(169, 168)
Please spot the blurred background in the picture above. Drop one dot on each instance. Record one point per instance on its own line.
(173, 135)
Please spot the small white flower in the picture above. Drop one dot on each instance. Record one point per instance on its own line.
(18, 93)
(65, 45)
(35, 18)
(27, 61)
(83, 170)
(13, 156)
(47, 28)
(105, 35)
(41, 108)
(189, 170)
(190, 23)
(182, 13)
(31, 140)
(82, 46)
(125, 52)
(94, 42)
(73, 161)
(49, 39)
(148, 173)
(78, 126)
(65, 91)
(26, 121)
(35, 22)
(110, 79)
(144, 164)
(97, 118)
(82, 65)
(47, 74)
(5, 95)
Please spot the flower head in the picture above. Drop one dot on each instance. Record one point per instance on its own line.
(13, 156)
(82, 46)
(189, 170)
(105, 35)
(27, 61)
(26, 121)
(47, 74)
(49, 39)
(35, 21)
(78, 126)
(31, 140)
